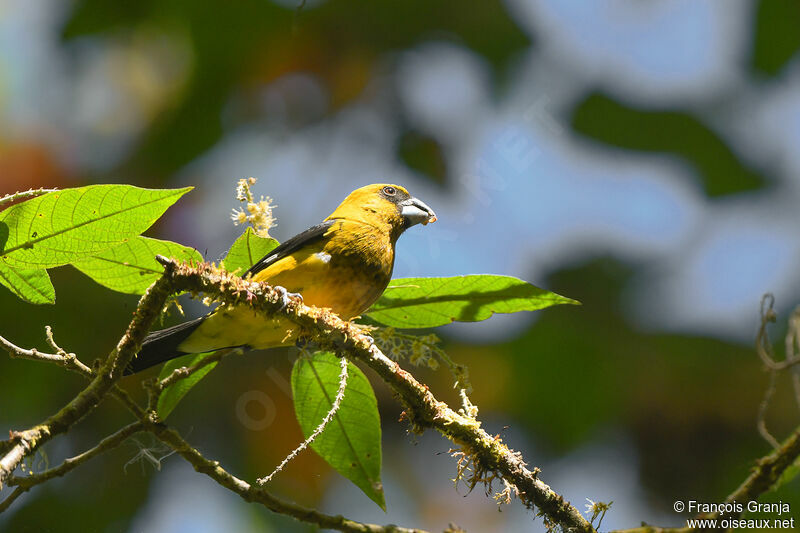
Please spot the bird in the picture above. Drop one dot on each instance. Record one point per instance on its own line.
(343, 264)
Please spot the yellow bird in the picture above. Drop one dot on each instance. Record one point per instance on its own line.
(344, 264)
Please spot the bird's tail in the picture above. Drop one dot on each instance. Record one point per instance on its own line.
(162, 345)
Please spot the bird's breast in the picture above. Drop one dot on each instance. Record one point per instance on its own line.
(359, 269)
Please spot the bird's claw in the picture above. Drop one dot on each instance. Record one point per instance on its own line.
(286, 296)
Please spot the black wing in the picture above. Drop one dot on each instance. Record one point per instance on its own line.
(289, 247)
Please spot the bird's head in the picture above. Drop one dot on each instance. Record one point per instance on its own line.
(382, 203)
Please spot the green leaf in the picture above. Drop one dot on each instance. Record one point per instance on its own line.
(131, 267)
(32, 285)
(175, 392)
(61, 226)
(431, 302)
(246, 250)
(351, 442)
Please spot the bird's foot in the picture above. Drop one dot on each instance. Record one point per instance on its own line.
(286, 296)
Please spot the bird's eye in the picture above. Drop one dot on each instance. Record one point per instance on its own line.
(389, 191)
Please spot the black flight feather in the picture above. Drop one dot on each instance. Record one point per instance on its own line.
(162, 345)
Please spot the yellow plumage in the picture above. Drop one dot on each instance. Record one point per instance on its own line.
(343, 264)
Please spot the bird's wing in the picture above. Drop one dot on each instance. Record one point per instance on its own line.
(289, 247)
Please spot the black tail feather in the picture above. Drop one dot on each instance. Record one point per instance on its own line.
(162, 345)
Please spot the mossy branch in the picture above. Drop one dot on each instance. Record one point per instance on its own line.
(24, 443)
(253, 493)
(488, 453)
(104, 383)
(423, 410)
(489, 457)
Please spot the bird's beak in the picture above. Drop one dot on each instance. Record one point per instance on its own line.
(415, 211)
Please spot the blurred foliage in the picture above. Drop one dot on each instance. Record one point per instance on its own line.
(688, 403)
(95, 498)
(777, 35)
(339, 41)
(674, 132)
(424, 154)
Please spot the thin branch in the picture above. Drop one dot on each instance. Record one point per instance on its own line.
(156, 388)
(765, 473)
(251, 493)
(28, 441)
(108, 443)
(763, 344)
(767, 356)
(468, 409)
(186, 371)
(767, 470)
(16, 493)
(70, 362)
(337, 401)
(793, 351)
(422, 408)
(761, 420)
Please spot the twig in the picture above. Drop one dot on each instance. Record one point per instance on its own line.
(16, 493)
(28, 441)
(768, 469)
(251, 493)
(70, 362)
(763, 344)
(186, 371)
(468, 409)
(422, 408)
(761, 420)
(329, 331)
(767, 355)
(108, 443)
(156, 387)
(337, 401)
(793, 351)
(765, 473)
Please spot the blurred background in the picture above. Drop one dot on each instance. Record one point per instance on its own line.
(641, 157)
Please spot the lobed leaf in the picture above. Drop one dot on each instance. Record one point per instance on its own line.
(32, 285)
(61, 226)
(246, 250)
(431, 302)
(131, 267)
(351, 442)
(174, 393)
